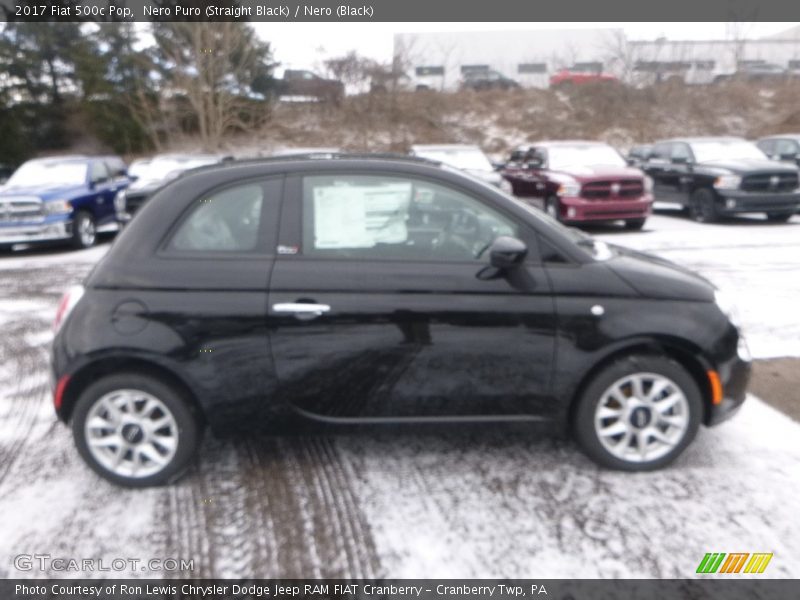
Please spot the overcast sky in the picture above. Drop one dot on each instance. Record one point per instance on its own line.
(306, 45)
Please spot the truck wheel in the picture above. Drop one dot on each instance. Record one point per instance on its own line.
(84, 232)
(634, 224)
(135, 431)
(701, 206)
(638, 414)
(779, 217)
(552, 206)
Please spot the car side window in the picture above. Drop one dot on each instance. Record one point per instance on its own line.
(225, 221)
(396, 218)
(785, 147)
(99, 173)
(661, 152)
(681, 152)
(767, 147)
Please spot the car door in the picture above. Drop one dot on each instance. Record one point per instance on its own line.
(206, 296)
(103, 191)
(382, 305)
(664, 174)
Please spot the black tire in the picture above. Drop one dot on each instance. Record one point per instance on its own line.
(552, 206)
(783, 217)
(80, 240)
(189, 427)
(635, 224)
(584, 413)
(702, 207)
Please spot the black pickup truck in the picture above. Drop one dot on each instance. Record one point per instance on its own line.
(713, 177)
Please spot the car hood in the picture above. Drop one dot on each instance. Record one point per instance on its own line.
(749, 165)
(655, 277)
(591, 172)
(45, 192)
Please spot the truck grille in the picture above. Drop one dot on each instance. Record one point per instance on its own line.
(770, 182)
(20, 209)
(616, 189)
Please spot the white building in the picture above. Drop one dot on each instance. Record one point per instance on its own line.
(439, 60)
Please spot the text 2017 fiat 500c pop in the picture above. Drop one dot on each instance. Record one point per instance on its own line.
(358, 289)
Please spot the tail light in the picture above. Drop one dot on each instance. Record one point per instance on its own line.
(68, 302)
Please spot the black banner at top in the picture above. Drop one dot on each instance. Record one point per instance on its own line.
(399, 10)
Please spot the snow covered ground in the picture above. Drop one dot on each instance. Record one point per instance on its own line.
(443, 502)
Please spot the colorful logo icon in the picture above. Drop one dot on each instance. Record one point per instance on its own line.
(736, 562)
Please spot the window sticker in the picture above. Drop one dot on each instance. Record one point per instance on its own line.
(347, 216)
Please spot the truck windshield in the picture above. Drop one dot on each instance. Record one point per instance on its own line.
(48, 174)
(726, 150)
(562, 157)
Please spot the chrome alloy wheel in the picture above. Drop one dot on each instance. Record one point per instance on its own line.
(86, 231)
(641, 417)
(131, 433)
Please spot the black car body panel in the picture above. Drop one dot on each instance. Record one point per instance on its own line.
(402, 340)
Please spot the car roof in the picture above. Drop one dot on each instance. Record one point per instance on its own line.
(781, 136)
(561, 143)
(698, 139)
(303, 162)
(443, 147)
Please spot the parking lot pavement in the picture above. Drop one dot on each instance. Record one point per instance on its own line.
(436, 502)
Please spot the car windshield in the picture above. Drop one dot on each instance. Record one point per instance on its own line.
(561, 157)
(725, 150)
(460, 158)
(41, 173)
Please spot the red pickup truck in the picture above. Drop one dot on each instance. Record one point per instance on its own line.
(579, 182)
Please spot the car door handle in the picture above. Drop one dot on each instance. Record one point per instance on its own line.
(302, 310)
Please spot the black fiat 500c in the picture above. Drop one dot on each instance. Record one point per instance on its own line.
(371, 290)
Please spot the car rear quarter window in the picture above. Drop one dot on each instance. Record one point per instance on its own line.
(224, 221)
(396, 218)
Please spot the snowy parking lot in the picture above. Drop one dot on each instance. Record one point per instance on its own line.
(438, 502)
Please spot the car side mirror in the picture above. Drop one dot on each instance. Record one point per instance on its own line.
(497, 166)
(680, 160)
(789, 156)
(506, 252)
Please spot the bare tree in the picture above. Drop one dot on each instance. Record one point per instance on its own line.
(213, 68)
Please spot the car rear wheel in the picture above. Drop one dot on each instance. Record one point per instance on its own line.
(779, 217)
(135, 430)
(634, 224)
(702, 208)
(638, 414)
(552, 207)
(84, 231)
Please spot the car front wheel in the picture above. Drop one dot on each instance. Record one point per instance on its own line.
(701, 206)
(779, 217)
(552, 207)
(638, 414)
(634, 224)
(84, 231)
(135, 431)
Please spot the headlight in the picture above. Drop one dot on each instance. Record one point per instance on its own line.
(119, 201)
(569, 188)
(727, 182)
(727, 305)
(506, 186)
(57, 207)
(648, 184)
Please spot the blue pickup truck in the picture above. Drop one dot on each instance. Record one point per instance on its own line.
(64, 199)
